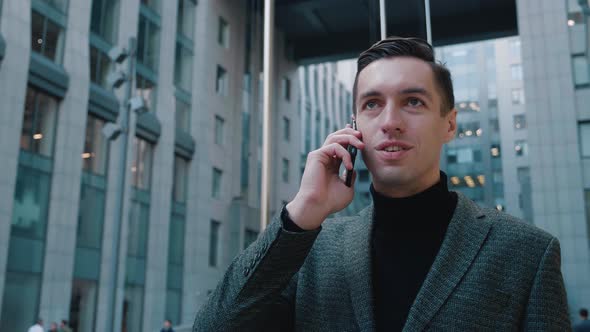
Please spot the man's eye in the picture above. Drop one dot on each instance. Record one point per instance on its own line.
(370, 105)
(415, 102)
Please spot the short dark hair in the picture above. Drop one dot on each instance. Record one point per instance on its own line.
(410, 47)
(584, 312)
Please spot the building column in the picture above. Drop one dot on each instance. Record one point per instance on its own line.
(16, 30)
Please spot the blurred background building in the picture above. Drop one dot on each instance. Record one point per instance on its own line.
(194, 158)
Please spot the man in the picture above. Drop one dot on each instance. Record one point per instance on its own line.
(584, 324)
(64, 327)
(37, 327)
(167, 326)
(419, 258)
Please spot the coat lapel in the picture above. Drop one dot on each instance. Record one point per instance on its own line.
(357, 255)
(465, 235)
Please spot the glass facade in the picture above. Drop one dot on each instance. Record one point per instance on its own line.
(39, 123)
(286, 129)
(103, 19)
(183, 115)
(142, 164)
(285, 174)
(223, 33)
(216, 183)
(185, 23)
(249, 237)
(221, 81)
(584, 128)
(47, 37)
(30, 211)
(103, 35)
(94, 157)
(214, 243)
(146, 88)
(183, 67)
(148, 43)
(219, 123)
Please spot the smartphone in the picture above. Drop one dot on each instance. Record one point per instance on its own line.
(352, 150)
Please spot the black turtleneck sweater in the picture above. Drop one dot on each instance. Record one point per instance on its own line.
(407, 235)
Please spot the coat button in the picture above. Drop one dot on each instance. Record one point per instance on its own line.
(246, 271)
(258, 254)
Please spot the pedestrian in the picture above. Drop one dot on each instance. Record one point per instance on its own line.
(167, 326)
(584, 324)
(420, 257)
(37, 327)
(64, 327)
(53, 327)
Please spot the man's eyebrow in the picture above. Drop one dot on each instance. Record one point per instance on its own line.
(370, 93)
(416, 90)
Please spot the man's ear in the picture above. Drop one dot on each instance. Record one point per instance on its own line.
(451, 120)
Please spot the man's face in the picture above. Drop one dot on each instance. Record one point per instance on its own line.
(399, 115)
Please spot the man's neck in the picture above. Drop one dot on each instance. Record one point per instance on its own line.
(397, 190)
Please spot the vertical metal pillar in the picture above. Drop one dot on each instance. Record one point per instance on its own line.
(267, 107)
(383, 19)
(428, 26)
(121, 187)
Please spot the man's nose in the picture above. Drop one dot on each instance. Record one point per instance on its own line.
(392, 120)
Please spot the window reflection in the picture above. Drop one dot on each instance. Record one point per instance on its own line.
(142, 164)
(39, 121)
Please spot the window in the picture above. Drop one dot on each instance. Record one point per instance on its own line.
(147, 89)
(183, 67)
(90, 217)
(20, 301)
(494, 125)
(515, 48)
(580, 63)
(183, 116)
(154, 5)
(516, 71)
(180, 179)
(287, 89)
(100, 66)
(249, 237)
(104, 18)
(40, 116)
(219, 130)
(585, 138)
(221, 81)
(216, 184)
(517, 96)
(463, 155)
(186, 18)
(142, 164)
(94, 156)
(223, 33)
(47, 37)
(61, 5)
(519, 121)
(521, 148)
(214, 243)
(286, 129)
(285, 170)
(495, 150)
(148, 43)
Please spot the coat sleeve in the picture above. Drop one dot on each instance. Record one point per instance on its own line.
(257, 291)
(547, 308)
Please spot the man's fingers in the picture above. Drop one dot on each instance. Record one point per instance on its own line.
(338, 151)
(345, 131)
(345, 140)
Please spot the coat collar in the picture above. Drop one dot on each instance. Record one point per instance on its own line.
(464, 237)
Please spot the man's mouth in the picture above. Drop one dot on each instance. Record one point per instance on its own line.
(395, 148)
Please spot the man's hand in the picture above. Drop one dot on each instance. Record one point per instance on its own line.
(322, 191)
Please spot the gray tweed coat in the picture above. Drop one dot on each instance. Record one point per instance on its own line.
(493, 272)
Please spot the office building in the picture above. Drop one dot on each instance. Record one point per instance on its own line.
(193, 159)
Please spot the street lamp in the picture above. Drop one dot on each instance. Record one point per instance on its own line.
(112, 131)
